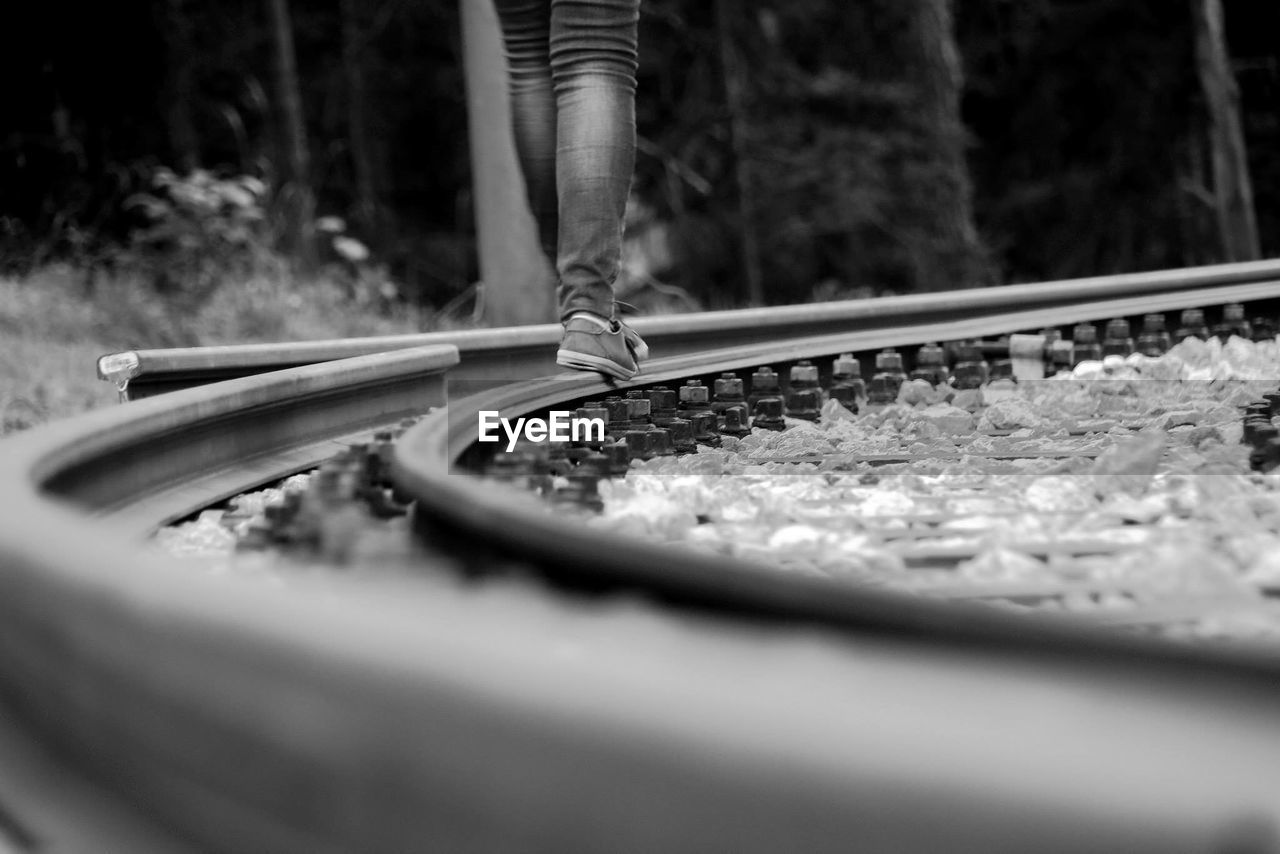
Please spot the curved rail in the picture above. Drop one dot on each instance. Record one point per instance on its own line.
(342, 716)
(495, 356)
(452, 503)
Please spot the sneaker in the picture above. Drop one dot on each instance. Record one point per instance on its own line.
(591, 343)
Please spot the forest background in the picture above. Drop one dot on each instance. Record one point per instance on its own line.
(175, 172)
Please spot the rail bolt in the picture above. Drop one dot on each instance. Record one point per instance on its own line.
(660, 444)
(639, 411)
(769, 414)
(1117, 340)
(682, 436)
(619, 456)
(729, 389)
(804, 374)
(1273, 402)
(662, 405)
(804, 403)
(1191, 325)
(764, 383)
(735, 422)
(694, 392)
(638, 444)
(705, 430)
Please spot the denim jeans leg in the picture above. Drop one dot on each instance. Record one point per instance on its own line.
(526, 35)
(593, 53)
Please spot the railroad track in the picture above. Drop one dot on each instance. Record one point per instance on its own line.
(642, 700)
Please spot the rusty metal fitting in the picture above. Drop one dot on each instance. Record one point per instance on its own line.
(846, 366)
(1117, 341)
(1264, 432)
(1266, 457)
(735, 422)
(764, 383)
(882, 389)
(593, 411)
(804, 403)
(888, 377)
(931, 365)
(1252, 426)
(1191, 324)
(596, 462)
(847, 385)
(619, 456)
(660, 444)
(705, 429)
(619, 411)
(639, 411)
(1084, 344)
(638, 446)
(768, 414)
(694, 398)
(589, 438)
(1001, 369)
(694, 394)
(682, 436)
(930, 355)
(971, 369)
(889, 361)
(662, 405)
(1233, 323)
(580, 490)
(1154, 340)
(804, 374)
(729, 391)
(1273, 401)
(1060, 353)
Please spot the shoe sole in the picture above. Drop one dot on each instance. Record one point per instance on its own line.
(587, 362)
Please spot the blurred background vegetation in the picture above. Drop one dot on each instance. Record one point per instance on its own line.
(188, 171)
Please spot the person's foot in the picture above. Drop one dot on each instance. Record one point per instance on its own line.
(591, 343)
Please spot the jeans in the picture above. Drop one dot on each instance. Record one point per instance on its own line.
(572, 70)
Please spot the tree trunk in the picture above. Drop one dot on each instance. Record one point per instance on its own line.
(366, 204)
(298, 198)
(1233, 192)
(518, 285)
(178, 90)
(956, 260)
(735, 102)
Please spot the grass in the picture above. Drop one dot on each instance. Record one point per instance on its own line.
(54, 326)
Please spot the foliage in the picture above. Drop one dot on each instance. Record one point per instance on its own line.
(198, 230)
(53, 330)
(1084, 139)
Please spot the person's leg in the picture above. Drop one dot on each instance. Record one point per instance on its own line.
(593, 55)
(526, 35)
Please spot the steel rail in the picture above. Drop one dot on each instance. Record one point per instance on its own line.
(340, 716)
(496, 356)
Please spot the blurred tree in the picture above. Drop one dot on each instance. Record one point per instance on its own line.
(517, 284)
(728, 16)
(815, 140)
(365, 207)
(952, 255)
(297, 196)
(179, 88)
(1083, 110)
(1233, 191)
